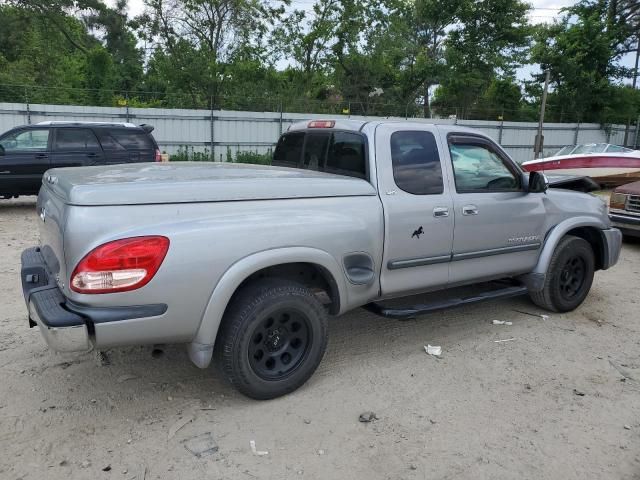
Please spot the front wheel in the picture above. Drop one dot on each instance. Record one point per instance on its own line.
(569, 276)
(273, 337)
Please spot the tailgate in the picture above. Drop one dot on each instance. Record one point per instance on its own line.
(52, 212)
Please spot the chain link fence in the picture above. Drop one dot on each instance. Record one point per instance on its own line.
(231, 128)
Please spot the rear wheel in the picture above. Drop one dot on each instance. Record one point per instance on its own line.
(273, 338)
(569, 276)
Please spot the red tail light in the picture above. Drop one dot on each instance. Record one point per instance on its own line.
(120, 266)
(158, 155)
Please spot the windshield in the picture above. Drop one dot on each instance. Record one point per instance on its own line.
(618, 149)
(591, 148)
(338, 152)
(564, 150)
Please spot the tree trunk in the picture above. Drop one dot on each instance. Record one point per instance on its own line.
(427, 107)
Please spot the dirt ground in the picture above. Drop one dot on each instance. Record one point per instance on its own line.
(560, 400)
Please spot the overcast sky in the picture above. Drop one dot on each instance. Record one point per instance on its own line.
(544, 10)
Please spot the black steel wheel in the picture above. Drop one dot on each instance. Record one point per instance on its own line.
(272, 338)
(279, 343)
(569, 276)
(572, 277)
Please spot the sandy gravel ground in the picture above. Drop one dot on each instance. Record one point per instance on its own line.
(561, 401)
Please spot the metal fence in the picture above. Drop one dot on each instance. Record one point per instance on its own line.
(221, 134)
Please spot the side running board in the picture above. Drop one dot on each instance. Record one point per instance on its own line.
(411, 311)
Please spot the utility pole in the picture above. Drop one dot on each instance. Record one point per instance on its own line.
(635, 78)
(537, 149)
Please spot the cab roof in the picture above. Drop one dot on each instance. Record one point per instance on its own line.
(358, 125)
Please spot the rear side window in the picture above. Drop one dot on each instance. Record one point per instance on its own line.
(109, 144)
(74, 139)
(416, 163)
(346, 155)
(132, 139)
(342, 153)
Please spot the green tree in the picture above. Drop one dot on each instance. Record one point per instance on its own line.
(489, 43)
(582, 52)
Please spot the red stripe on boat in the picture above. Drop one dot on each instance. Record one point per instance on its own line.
(587, 161)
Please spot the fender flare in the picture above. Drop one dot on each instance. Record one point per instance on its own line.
(201, 348)
(555, 235)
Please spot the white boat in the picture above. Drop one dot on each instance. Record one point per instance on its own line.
(609, 165)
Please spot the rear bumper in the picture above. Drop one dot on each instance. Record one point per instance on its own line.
(628, 224)
(67, 326)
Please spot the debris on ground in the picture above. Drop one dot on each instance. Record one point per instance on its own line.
(85, 464)
(622, 371)
(107, 468)
(124, 378)
(367, 417)
(412, 467)
(539, 315)
(627, 427)
(201, 445)
(255, 451)
(102, 358)
(505, 340)
(178, 425)
(307, 421)
(434, 350)
(321, 452)
(501, 322)
(578, 392)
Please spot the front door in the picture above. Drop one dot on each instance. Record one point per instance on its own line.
(499, 227)
(418, 209)
(24, 157)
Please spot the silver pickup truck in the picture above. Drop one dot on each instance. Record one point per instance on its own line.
(247, 262)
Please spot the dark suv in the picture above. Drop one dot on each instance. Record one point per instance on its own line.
(27, 152)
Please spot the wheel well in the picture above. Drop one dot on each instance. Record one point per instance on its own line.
(594, 237)
(311, 275)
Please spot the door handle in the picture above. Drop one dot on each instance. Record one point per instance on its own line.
(469, 210)
(42, 155)
(5, 172)
(92, 155)
(440, 212)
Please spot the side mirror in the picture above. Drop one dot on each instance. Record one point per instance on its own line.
(1, 150)
(538, 182)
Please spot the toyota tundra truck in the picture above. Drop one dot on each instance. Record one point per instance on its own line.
(247, 263)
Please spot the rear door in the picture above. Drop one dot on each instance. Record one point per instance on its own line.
(418, 209)
(24, 159)
(73, 147)
(499, 227)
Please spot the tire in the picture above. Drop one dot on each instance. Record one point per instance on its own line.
(272, 339)
(569, 276)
